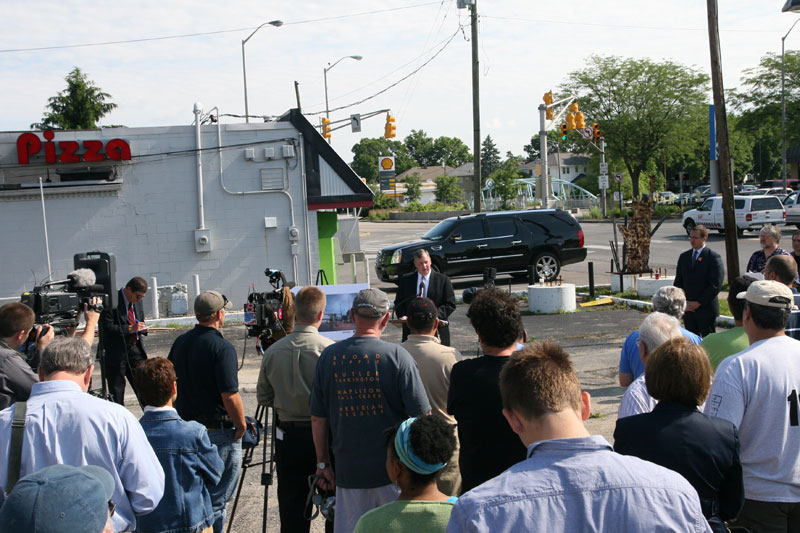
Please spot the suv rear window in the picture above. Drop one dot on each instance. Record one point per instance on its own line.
(764, 204)
(738, 204)
(501, 226)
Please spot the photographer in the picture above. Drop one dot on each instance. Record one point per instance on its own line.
(16, 375)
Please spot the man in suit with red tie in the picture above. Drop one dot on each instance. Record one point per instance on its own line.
(123, 328)
(426, 283)
(700, 274)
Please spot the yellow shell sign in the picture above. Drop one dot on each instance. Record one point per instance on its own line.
(386, 163)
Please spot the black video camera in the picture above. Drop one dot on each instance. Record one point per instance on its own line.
(263, 312)
(58, 303)
(489, 274)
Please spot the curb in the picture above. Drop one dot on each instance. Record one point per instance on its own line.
(722, 320)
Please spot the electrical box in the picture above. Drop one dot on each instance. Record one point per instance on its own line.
(249, 154)
(294, 233)
(202, 240)
(288, 150)
(270, 222)
(269, 153)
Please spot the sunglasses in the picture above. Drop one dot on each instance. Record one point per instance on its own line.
(111, 508)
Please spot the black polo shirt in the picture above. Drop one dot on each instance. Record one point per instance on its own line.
(206, 366)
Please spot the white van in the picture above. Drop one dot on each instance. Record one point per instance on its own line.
(752, 213)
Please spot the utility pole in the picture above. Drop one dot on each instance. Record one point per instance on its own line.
(476, 110)
(726, 181)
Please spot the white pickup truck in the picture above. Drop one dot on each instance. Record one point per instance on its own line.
(752, 213)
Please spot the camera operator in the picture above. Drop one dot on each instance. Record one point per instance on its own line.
(123, 328)
(16, 375)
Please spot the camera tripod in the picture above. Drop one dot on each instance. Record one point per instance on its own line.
(267, 464)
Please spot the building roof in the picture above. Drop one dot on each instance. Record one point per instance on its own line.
(426, 173)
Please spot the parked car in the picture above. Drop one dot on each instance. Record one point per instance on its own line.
(752, 213)
(792, 206)
(665, 197)
(509, 241)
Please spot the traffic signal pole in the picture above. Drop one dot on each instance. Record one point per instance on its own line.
(543, 190)
(476, 111)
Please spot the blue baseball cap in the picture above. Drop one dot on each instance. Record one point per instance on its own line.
(59, 499)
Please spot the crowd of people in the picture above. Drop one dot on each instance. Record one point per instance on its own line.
(412, 436)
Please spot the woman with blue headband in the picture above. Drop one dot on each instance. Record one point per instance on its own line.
(416, 450)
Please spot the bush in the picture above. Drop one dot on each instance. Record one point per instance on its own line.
(662, 209)
(595, 212)
(382, 201)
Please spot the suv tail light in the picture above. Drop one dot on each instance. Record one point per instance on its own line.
(580, 237)
(784, 214)
(749, 217)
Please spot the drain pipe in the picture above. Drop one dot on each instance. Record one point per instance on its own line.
(198, 110)
(301, 150)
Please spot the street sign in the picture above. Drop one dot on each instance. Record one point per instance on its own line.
(618, 177)
(616, 196)
(386, 163)
(490, 184)
(355, 123)
(587, 133)
(603, 168)
(602, 180)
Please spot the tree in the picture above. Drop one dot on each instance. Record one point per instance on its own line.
(367, 152)
(413, 187)
(758, 101)
(574, 144)
(79, 107)
(505, 182)
(490, 157)
(447, 190)
(450, 151)
(420, 148)
(638, 103)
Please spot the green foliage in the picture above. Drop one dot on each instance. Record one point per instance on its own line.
(79, 107)
(490, 157)
(378, 214)
(595, 212)
(665, 209)
(447, 190)
(574, 144)
(384, 201)
(413, 187)
(434, 206)
(367, 152)
(428, 152)
(638, 103)
(505, 182)
(452, 151)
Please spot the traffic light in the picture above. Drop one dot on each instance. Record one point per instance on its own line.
(570, 121)
(326, 128)
(597, 132)
(573, 107)
(580, 121)
(390, 129)
(563, 131)
(548, 100)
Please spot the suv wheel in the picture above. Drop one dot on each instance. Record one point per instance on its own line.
(546, 266)
(689, 225)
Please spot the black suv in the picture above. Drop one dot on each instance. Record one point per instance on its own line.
(509, 241)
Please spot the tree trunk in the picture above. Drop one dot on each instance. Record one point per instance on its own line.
(637, 237)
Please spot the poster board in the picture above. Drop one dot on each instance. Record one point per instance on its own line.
(336, 324)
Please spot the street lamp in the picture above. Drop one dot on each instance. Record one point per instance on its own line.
(794, 7)
(277, 24)
(325, 75)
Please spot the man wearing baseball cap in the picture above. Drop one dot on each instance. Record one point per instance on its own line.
(61, 498)
(206, 368)
(757, 390)
(362, 385)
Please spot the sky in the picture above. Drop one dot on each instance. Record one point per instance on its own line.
(526, 47)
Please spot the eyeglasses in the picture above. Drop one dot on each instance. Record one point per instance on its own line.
(111, 508)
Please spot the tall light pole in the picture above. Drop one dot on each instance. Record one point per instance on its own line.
(325, 75)
(277, 24)
(794, 7)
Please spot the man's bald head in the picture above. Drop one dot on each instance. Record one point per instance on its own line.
(781, 268)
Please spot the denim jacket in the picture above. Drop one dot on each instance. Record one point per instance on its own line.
(191, 465)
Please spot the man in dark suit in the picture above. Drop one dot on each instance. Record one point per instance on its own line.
(428, 284)
(700, 273)
(123, 328)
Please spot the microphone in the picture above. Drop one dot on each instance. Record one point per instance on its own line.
(83, 278)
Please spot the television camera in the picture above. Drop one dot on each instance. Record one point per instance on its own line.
(59, 303)
(269, 316)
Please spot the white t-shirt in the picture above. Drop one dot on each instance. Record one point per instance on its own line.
(636, 399)
(757, 390)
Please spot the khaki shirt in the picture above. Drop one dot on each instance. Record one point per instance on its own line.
(434, 362)
(287, 372)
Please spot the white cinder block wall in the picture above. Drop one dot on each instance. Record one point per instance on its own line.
(148, 221)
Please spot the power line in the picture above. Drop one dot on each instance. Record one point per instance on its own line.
(395, 83)
(201, 34)
(625, 26)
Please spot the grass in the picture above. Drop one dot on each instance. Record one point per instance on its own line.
(596, 414)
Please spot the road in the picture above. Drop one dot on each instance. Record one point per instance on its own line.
(667, 244)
